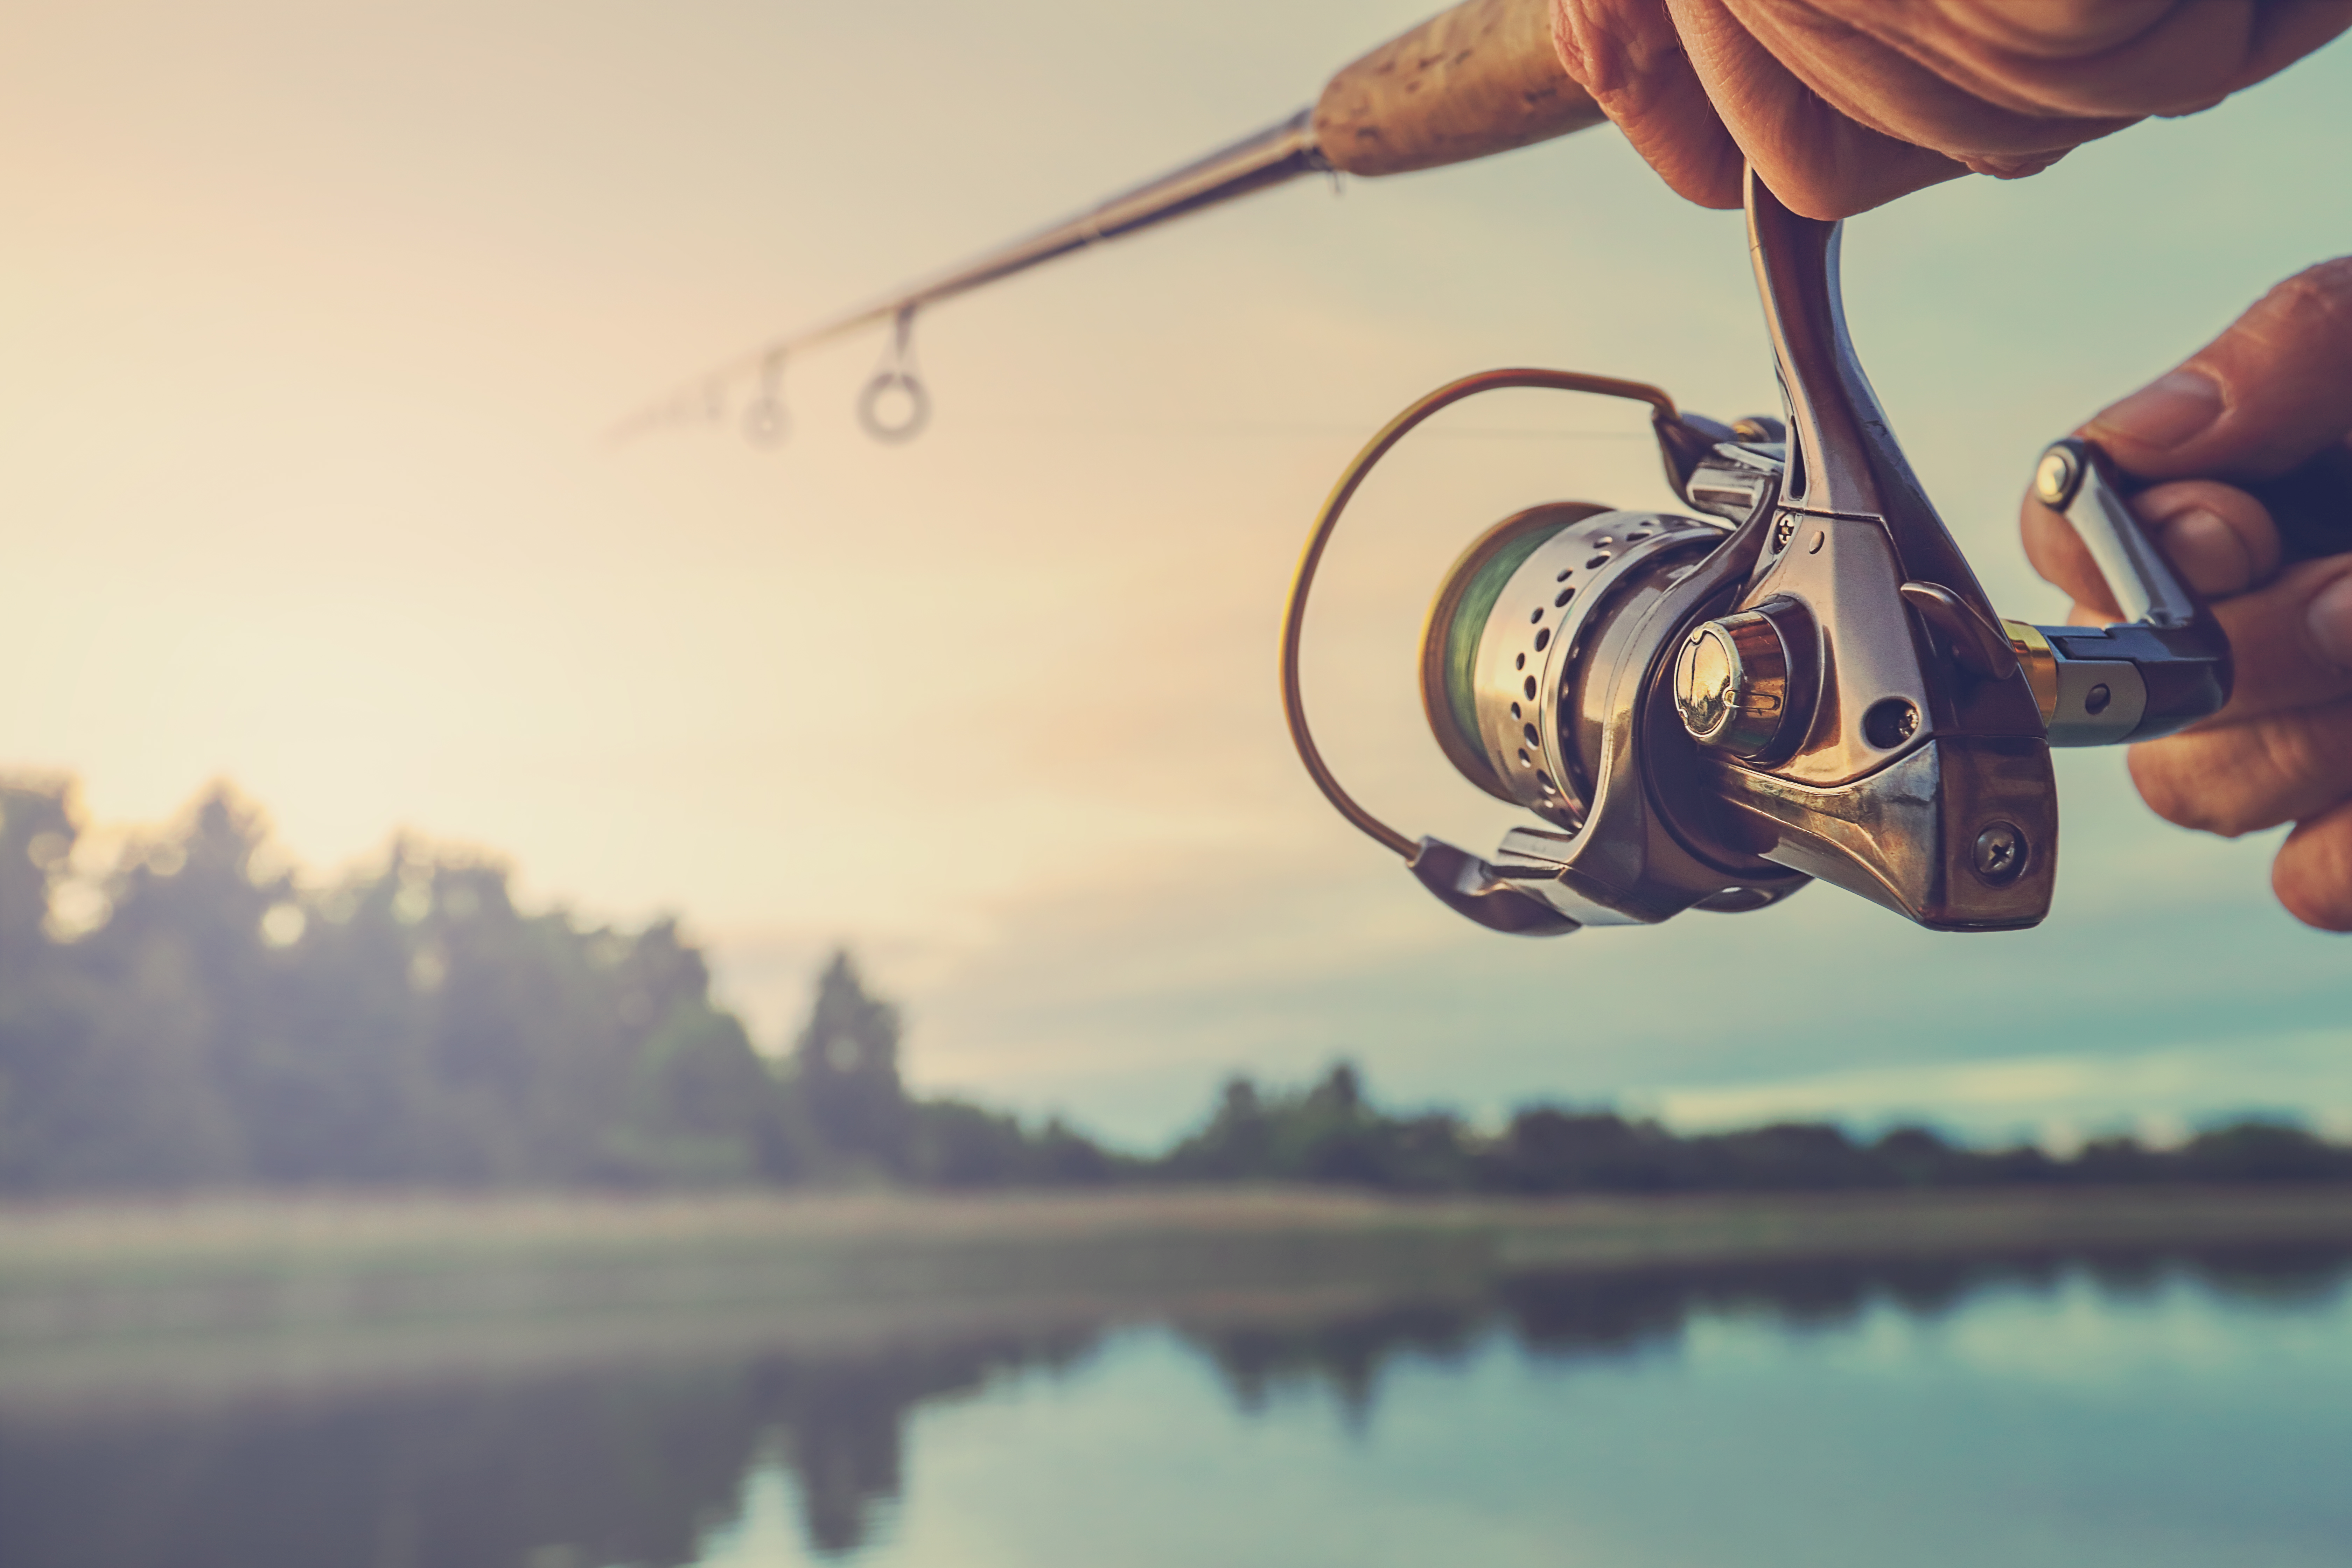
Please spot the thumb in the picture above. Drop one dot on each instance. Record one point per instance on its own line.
(2271, 392)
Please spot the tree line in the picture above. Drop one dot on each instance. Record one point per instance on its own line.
(185, 1015)
(1329, 1132)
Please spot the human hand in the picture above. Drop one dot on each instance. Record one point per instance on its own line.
(1842, 105)
(2267, 395)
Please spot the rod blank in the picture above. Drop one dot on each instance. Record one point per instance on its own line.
(1475, 80)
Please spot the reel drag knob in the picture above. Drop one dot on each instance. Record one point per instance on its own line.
(1732, 687)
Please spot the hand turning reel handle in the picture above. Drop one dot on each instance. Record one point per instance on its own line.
(1809, 681)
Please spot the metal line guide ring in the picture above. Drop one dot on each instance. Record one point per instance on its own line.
(897, 375)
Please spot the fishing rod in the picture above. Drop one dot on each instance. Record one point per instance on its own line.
(1797, 679)
(1475, 80)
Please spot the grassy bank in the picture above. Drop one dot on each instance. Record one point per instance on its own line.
(116, 1300)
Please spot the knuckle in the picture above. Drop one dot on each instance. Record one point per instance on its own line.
(1572, 38)
(2313, 874)
(2166, 780)
(2229, 782)
(2318, 300)
(2251, 776)
(2286, 760)
(2286, 751)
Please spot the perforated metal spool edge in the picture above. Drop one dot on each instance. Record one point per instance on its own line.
(1445, 618)
(1531, 637)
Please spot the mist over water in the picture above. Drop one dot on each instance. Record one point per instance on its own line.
(2127, 1409)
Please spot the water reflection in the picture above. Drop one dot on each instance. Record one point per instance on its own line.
(623, 1465)
(641, 1464)
(1568, 1316)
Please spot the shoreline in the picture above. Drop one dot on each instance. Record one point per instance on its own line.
(128, 1242)
(104, 1304)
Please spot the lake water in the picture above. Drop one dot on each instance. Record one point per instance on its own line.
(2142, 1412)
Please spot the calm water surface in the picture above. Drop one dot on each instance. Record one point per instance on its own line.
(2144, 1413)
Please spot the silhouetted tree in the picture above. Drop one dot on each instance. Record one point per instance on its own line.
(1548, 1149)
(1329, 1132)
(205, 1020)
(2260, 1151)
(186, 1013)
(846, 1073)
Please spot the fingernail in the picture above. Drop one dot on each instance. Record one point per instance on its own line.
(2330, 621)
(2167, 411)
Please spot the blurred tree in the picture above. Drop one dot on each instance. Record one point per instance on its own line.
(188, 1014)
(846, 1076)
(205, 1020)
(2263, 1151)
(704, 1108)
(954, 1144)
(1548, 1149)
(1329, 1132)
(1785, 1156)
(116, 1052)
(42, 1027)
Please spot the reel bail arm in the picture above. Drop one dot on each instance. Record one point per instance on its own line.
(1462, 881)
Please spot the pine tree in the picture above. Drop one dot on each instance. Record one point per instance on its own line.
(846, 1073)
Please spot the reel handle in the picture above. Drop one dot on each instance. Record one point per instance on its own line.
(2161, 670)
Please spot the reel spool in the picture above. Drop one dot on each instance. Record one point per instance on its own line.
(1504, 681)
(1804, 680)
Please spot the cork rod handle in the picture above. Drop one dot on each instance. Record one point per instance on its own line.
(1480, 79)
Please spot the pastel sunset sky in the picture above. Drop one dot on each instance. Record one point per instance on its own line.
(311, 318)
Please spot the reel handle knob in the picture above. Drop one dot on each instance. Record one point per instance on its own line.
(2162, 670)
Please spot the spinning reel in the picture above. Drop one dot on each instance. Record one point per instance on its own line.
(1805, 681)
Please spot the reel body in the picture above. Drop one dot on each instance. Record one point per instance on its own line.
(1805, 680)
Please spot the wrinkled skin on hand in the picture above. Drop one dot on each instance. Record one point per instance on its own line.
(1843, 105)
(2272, 390)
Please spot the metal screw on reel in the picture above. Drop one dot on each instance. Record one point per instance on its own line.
(766, 423)
(897, 374)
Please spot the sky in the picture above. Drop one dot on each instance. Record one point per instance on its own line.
(313, 319)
